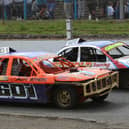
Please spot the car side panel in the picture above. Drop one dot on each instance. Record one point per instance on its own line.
(20, 92)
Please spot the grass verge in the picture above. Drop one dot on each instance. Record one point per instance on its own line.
(57, 27)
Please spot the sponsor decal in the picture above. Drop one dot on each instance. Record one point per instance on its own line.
(89, 73)
(69, 77)
(32, 79)
(92, 64)
(18, 91)
(87, 64)
(101, 65)
(108, 48)
(75, 75)
(39, 79)
(21, 79)
(63, 78)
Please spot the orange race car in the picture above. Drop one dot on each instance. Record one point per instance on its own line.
(42, 77)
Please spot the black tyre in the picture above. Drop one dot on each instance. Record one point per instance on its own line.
(124, 78)
(65, 97)
(100, 98)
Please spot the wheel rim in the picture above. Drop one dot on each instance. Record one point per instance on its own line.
(64, 98)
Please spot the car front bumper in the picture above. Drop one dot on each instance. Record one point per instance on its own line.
(101, 86)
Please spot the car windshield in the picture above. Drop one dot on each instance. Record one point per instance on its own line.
(55, 65)
(118, 52)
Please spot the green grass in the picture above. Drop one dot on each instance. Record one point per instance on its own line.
(57, 27)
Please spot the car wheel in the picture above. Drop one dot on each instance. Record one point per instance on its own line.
(100, 98)
(65, 97)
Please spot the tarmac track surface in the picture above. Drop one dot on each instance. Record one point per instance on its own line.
(112, 114)
(27, 122)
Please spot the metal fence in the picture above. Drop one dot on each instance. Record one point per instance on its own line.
(86, 9)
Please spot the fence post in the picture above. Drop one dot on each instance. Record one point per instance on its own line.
(121, 9)
(3, 18)
(68, 29)
(25, 9)
(75, 9)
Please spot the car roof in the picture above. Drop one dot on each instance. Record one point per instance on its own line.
(44, 55)
(99, 44)
(81, 42)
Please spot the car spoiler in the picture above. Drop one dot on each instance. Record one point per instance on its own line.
(74, 41)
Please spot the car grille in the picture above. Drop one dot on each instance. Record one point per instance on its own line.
(101, 84)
